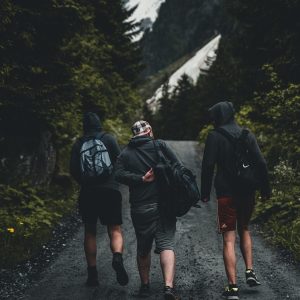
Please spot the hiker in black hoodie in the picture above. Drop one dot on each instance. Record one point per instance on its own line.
(99, 200)
(235, 207)
(135, 168)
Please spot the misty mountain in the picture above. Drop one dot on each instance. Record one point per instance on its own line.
(181, 27)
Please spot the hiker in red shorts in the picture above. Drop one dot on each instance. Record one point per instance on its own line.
(241, 170)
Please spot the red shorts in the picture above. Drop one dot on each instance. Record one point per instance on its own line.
(233, 212)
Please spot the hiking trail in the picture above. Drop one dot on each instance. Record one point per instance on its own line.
(200, 270)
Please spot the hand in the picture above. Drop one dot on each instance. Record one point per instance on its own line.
(149, 176)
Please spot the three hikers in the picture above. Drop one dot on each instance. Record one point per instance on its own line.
(225, 147)
(92, 159)
(97, 164)
(135, 168)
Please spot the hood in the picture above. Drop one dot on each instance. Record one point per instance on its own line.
(91, 123)
(223, 116)
(139, 140)
(222, 113)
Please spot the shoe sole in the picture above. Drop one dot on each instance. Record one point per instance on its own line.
(252, 282)
(122, 276)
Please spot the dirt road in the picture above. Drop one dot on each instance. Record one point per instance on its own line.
(200, 271)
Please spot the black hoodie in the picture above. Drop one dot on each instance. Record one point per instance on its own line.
(218, 151)
(92, 127)
(134, 162)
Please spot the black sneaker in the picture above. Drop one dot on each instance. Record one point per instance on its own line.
(143, 292)
(251, 278)
(231, 292)
(170, 294)
(92, 279)
(117, 264)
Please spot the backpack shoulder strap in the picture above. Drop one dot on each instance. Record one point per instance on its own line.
(244, 134)
(100, 135)
(160, 155)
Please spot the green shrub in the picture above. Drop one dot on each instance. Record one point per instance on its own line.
(27, 217)
(119, 129)
(280, 215)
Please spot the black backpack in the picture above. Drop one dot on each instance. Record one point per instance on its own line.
(177, 185)
(95, 163)
(245, 174)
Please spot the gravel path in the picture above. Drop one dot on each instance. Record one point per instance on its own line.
(200, 270)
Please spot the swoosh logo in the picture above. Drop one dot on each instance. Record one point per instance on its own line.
(245, 166)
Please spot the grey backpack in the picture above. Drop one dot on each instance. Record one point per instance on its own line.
(95, 163)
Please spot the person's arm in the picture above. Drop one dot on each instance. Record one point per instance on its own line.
(208, 165)
(114, 148)
(124, 176)
(265, 189)
(75, 162)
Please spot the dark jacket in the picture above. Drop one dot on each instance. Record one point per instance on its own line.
(218, 151)
(92, 127)
(134, 162)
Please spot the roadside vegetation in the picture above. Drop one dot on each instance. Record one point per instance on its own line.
(58, 59)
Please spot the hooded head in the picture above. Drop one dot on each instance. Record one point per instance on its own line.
(91, 123)
(222, 113)
(141, 128)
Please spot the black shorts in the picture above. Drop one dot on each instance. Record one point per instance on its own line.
(102, 203)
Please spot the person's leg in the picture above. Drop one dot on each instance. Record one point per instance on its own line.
(144, 264)
(116, 246)
(227, 220)
(90, 245)
(244, 213)
(90, 249)
(167, 262)
(229, 255)
(165, 244)
(116, 238)
(246, 246)
(245, 207)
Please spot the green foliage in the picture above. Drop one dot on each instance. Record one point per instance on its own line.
(246, 51)
(119, 129)
(278, 111)
(26, 218)
(58, 59)
(280, 215)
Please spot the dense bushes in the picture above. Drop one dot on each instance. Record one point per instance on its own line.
(280, 216)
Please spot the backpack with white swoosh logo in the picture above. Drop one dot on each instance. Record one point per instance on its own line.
(245, 176)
